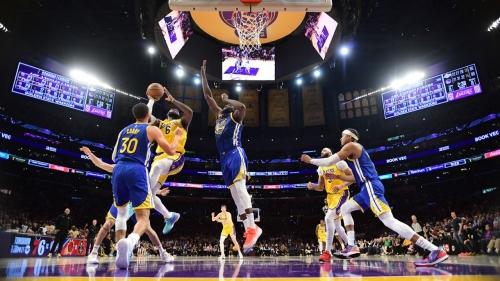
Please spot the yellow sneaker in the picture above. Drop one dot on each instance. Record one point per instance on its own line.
(49, 255)
(58, 256)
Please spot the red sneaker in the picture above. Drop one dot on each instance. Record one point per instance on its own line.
(252, 235)
(326, 257)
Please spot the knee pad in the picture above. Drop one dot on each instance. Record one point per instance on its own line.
(241, 188)
(121, 218)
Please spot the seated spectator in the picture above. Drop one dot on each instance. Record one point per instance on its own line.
(470, 238)
(494, 244)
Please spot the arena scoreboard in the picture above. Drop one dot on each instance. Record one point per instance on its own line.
(50, 87)
(446, 87)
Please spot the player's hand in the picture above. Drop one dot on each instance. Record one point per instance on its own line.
(310, 186)
(224, 97)
(86, 224)
(213, 214)
(85, 150)
(150, 97)
(331, 176)
(178, 132)
(203, 67)
(336, 188)
(305, 158)
(164, 191)
(169, 97)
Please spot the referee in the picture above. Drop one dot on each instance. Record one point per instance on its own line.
(63, 224)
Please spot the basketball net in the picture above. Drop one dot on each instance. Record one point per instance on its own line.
(249, 25)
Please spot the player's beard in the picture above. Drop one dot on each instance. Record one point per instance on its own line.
(173, 115)
(325, 155)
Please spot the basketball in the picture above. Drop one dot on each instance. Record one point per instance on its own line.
(155, 90)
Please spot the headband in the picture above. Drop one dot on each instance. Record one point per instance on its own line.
(327, 149)
(349, 133)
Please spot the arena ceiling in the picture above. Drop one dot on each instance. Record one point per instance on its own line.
(106, 37)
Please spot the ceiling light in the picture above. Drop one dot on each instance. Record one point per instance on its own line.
(238, 88)
(196, 80)
(151, 50)
(317, 73)
(344, 51)
(299, 81)
(179, 72)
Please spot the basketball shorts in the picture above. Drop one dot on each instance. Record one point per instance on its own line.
(228, 231)
(175, 168)
(372, 196)
(322, 238)
(336, 200)
(234, 165)
(130, 183)
(113, 213)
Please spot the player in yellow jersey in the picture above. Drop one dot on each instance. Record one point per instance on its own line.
(337, 194)
(165, 165)
(321, 235)
(226, 219)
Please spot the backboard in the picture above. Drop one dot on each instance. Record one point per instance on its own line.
(265, 5)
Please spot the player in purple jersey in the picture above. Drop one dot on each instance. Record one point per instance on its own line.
(371, 196)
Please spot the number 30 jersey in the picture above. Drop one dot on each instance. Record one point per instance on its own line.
(133, 145)
(168, 128)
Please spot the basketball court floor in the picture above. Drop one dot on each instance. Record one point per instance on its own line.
(251, 268)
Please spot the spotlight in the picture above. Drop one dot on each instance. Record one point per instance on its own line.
(197, 80)
(179, 72)
(84, 77)
(396, 83)
(344, 51)
(299, 81)
(238, 88)
(151, 50)
(494, 25)
(317, 73)
(414, 77)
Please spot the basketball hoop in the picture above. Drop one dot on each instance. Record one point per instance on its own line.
(249, 25)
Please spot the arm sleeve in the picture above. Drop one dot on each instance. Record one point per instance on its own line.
(342, 165)
(150, 106)
(334, 159)
(113, 156)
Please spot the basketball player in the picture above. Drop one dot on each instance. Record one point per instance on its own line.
(233, 159)
(130, 178)
(165, 165)
(371, 196)
(337, 194)
(225, 218)
(321, 235)
(113, 213)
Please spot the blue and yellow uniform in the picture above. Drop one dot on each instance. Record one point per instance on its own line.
(321, 233)
(168, 127)
(335, 199)
(228, 228)
(130, 177)
(233, 159)
(113, 213)
(372, 191)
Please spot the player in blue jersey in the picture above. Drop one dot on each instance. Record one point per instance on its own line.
(233, 159)
(371, 196)
(131, 180)
(113, 213)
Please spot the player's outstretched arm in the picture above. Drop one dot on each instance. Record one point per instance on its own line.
(188, 112)
(207, 93)
(239, 108)
(150, 106)
(216, 218)
(346, 151)
(98, 162)
(154, 134)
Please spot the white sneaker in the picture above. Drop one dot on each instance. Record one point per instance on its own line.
(124, 248)
(92, 258)
(165, 256)
(241, 257)
(222, 257)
